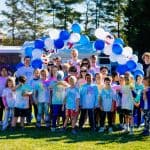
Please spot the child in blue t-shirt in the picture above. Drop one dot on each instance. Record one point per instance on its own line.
(107, 99)
(43, 98)
(139, 87)
(71, 102)
(88, 101)
(58, 95)
(33, 83)
(23, 91)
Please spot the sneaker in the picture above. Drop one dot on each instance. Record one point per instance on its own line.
(12, 129)
(110, 130)
(63, 129)
(53, 129)
(131, 131)
(145, 133)
(74, 131)
(101, 130)
(121, 126)
(4, 126)
(38, 125)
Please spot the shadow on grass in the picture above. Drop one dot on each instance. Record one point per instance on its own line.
(67, 137)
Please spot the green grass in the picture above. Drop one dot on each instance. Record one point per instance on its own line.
(42, 139)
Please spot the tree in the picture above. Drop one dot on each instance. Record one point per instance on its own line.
(114, 17)
(32, 18)
(138, 25)
(12, 17)
(64, 13)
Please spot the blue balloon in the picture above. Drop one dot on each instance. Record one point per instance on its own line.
(39, 44)
(28, 51)
(117, 49)
(138, 72)
(19, 65)
(44, 38)
(84, 39)
(122, 69)
(64, 35)
(131, 65)
(37, 63)
(99, 44)
(76, 28)
(59, 43)
(119, 41)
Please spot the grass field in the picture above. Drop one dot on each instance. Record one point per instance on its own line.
(42, 139)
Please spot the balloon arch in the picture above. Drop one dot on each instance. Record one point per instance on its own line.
(40, 49)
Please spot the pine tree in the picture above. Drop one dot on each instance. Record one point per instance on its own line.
(138, 25)
(63, 12)
(33, 18)
(114, 17)
(12, 17)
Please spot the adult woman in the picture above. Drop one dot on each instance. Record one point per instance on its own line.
(81, 79)
(3, 78)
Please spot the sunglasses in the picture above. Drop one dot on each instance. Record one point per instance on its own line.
(85, 63)
(50, 64)
(83, 71)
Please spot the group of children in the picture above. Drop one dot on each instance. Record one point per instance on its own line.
(75, 91)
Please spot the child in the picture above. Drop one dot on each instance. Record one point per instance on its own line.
(71, 102)
(58, 95)
(139, 87)
(114, 85)
(107, 98)
(119, 100)
(33, 83)
(43, 98)
(145, 105)
(98, 82)
(88, 101)
(8, 97)
(127, 103)
(23, 91)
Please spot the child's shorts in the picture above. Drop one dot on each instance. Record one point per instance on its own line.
(119, 110)
(71, 113)
(18, 112)
(127, 112)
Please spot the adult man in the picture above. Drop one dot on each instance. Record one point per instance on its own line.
(146, 65)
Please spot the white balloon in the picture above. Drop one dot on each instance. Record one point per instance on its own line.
(36, 53)
(54, 34)
(108, 50)
(139, 66)
(127, 51)
(122, 60)
(49, 43)
(135, 58)
(74, 37)
(113, 57)
(100, 33)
